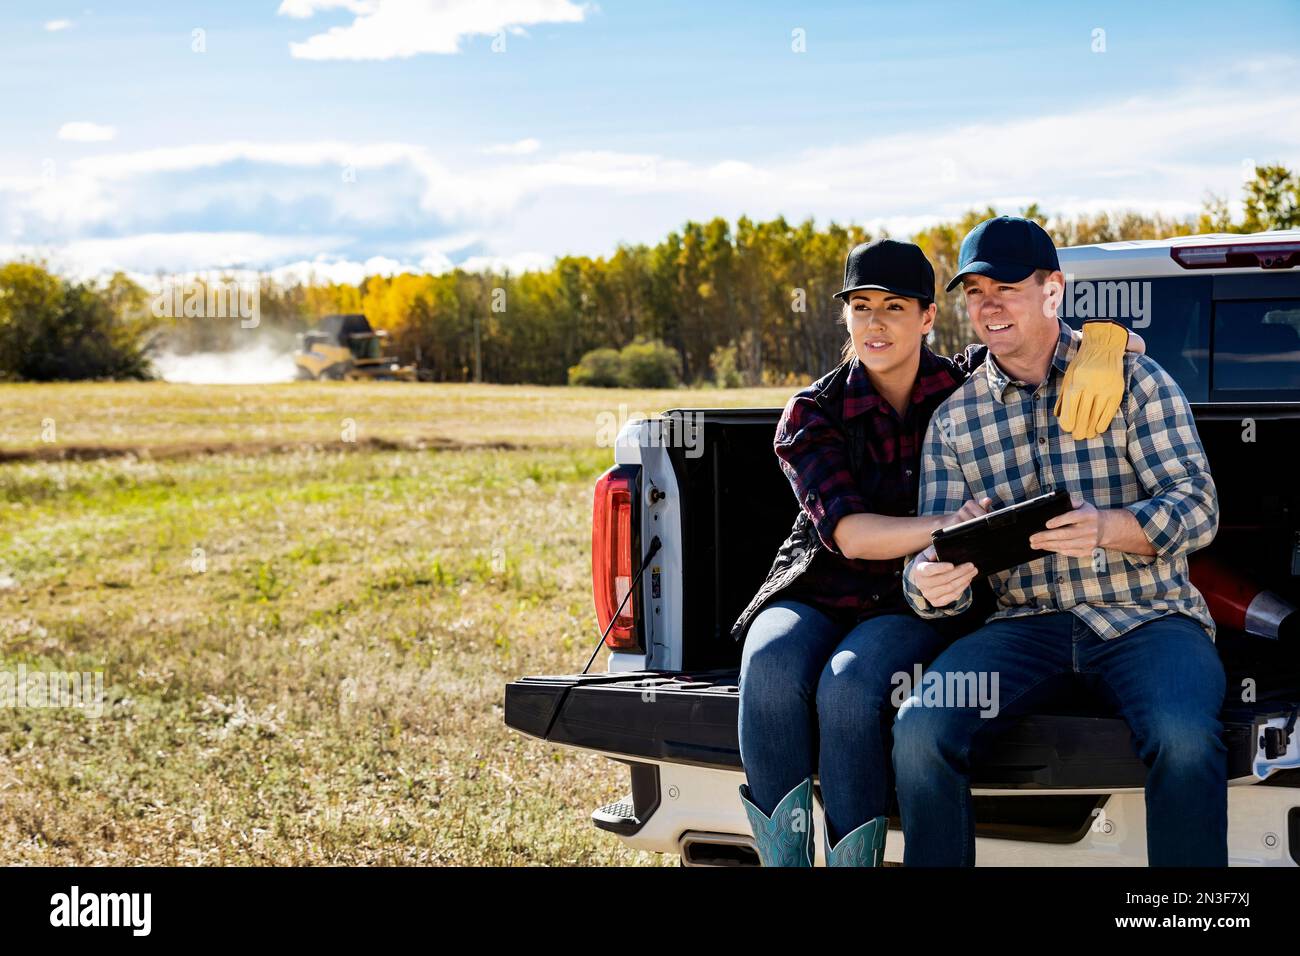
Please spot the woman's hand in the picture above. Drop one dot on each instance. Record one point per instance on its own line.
(971, 509)
(941, 582)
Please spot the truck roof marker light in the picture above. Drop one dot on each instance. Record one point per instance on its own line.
(1275, 254)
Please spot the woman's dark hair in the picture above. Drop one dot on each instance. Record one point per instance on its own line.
(848, 351)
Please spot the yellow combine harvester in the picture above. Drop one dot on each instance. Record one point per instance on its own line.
(346, 347)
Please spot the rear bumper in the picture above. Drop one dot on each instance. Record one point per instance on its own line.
(700, 817)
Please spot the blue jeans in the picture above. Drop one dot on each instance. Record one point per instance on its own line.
(1166, 681)
(812, 696)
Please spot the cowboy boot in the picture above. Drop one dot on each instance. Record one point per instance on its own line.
(786, 837)
(864, 846)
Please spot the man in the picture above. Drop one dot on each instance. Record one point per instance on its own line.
(1111, 604)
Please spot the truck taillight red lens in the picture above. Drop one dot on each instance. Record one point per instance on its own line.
(1273, 254)
(612, 559)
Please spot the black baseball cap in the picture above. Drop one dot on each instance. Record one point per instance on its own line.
(890, 265)
(1007, 248)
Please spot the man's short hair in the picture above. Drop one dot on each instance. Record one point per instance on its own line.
(1040, 275)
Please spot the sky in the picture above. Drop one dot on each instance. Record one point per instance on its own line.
(346, 137)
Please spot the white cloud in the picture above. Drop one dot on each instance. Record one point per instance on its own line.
(735, 171)
(83, 132)
(209, 155)
(352, 271)
(54, 26)
(269, 204)
(388, 29)
(340, 269)
(1134, 153)
(1145, 151)
(523, 147)
(514, 264)
(144, 254)
(298, 9)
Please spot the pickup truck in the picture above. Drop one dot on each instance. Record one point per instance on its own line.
(700, 491)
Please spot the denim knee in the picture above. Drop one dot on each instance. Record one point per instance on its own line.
(918, 732)
(1183, 741)
(773, 685)
(847, 705)
(775, 669)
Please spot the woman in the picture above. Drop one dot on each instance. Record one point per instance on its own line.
(829, 627)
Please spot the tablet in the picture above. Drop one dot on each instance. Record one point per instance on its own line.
(1000, 539)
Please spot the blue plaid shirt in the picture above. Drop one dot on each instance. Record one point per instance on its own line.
(998, 438)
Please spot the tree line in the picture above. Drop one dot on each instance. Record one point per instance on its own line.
(748, 302)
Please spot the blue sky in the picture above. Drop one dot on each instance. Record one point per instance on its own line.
(383, 134)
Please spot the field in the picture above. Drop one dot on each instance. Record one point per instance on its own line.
(305, 600)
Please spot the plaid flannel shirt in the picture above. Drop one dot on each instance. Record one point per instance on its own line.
(811, 447)
(998, 438)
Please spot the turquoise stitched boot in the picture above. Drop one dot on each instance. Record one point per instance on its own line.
(786, 837)
(865, 846)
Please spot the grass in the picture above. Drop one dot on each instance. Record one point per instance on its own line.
(160, 416)
(303, 650)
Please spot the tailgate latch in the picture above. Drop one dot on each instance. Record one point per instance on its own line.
(1277, 740)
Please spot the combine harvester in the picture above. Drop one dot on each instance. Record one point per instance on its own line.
(346, 347)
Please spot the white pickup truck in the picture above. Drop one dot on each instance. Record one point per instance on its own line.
(1222, 314)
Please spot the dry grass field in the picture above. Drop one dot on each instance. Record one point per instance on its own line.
(161, 418)
(303, 639)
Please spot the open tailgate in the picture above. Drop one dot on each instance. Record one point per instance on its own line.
(688, 718)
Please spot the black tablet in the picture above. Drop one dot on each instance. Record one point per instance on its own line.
(1000, 539)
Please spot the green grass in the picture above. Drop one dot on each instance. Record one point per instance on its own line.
(304, 651)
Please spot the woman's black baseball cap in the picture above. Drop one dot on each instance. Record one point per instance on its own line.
(889, 265)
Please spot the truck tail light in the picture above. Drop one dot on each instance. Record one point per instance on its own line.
(612, 554)
(1276, 254)
(1239, 603)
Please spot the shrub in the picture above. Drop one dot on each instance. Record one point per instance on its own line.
(641, 364)
(52, 329)
(602, 368)
(726, 371)
(650, 364)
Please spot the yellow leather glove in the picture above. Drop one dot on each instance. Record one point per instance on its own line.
(1094, 381)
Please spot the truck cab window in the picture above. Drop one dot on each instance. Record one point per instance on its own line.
(1257, 344)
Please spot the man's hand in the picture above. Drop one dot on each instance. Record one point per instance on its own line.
(940, 582)
(1076, 533)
